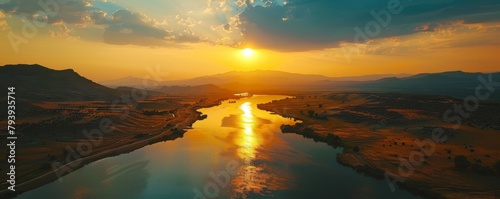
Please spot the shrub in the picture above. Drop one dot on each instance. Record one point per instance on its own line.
(310, 113)
(496, 166)
(482, 170)
(45, 166)
(461, 163)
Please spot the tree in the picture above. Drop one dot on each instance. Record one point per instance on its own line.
(333, 140)
(320, 105)
(482, 170)
(497, 166)
(461, 163)
(310, 113)
(45, 166)
(356, 149)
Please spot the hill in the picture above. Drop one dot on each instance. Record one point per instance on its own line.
(133, 82)
(38, 82)
(455, 83)
(35, 82)
(202, 89)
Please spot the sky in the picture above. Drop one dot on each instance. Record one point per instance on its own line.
(110, 39)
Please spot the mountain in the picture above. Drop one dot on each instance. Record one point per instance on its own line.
(202, 89)
(131, 81)
(369, 77)
(235, 81)
(258, 77)
(35, 82)
(238, 80)
(454, 83)
(38, 82)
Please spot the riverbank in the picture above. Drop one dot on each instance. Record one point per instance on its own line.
(138, 129)
(379, 131)
(351, 157)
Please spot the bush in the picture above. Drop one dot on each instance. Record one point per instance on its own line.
(333, 140)
(482, 170)
(461, 163)
(496, 166)
(356, 149)
(45, 166)
(310, 113)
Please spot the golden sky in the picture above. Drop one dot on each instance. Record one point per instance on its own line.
(203, 37)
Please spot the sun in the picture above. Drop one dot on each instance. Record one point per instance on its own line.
(247, 52)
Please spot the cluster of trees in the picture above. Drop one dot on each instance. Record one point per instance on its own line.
(177, 131)
(333, 140)
(313, 114)
(462, 164)
(156, 112)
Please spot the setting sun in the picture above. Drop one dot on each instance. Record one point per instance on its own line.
(248, 52)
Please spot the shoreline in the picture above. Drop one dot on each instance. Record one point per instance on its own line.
(170, 134)
(351, 159)
(381, 132)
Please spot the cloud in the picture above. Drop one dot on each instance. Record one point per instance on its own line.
(126, 27)
(62, 31)
(282, 25)
(69, 11)
(448, 36)
(3, 22)
(121, 27)
(301, 25)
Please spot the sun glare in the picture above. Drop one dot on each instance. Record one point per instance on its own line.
(247, 52)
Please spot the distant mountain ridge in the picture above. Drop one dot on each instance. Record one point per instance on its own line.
(202, 89)
(250, 77)
(41, 83)
(229, 80)
(38, 82)
(454, 83)
(131, 81)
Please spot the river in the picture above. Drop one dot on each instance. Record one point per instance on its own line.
(237, 152)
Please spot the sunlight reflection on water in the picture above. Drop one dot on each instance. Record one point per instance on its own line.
(270, 163)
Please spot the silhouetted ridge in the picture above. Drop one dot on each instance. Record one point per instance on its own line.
(36, 82)
(202, 89)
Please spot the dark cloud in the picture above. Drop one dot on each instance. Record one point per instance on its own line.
(126, 27)
(316, 24)
(297, 25)
(122, 27)
(100, 17)
(67, 11)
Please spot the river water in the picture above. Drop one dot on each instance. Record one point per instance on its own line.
(237, 152)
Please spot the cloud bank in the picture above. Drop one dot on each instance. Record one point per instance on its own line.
(291, 25)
